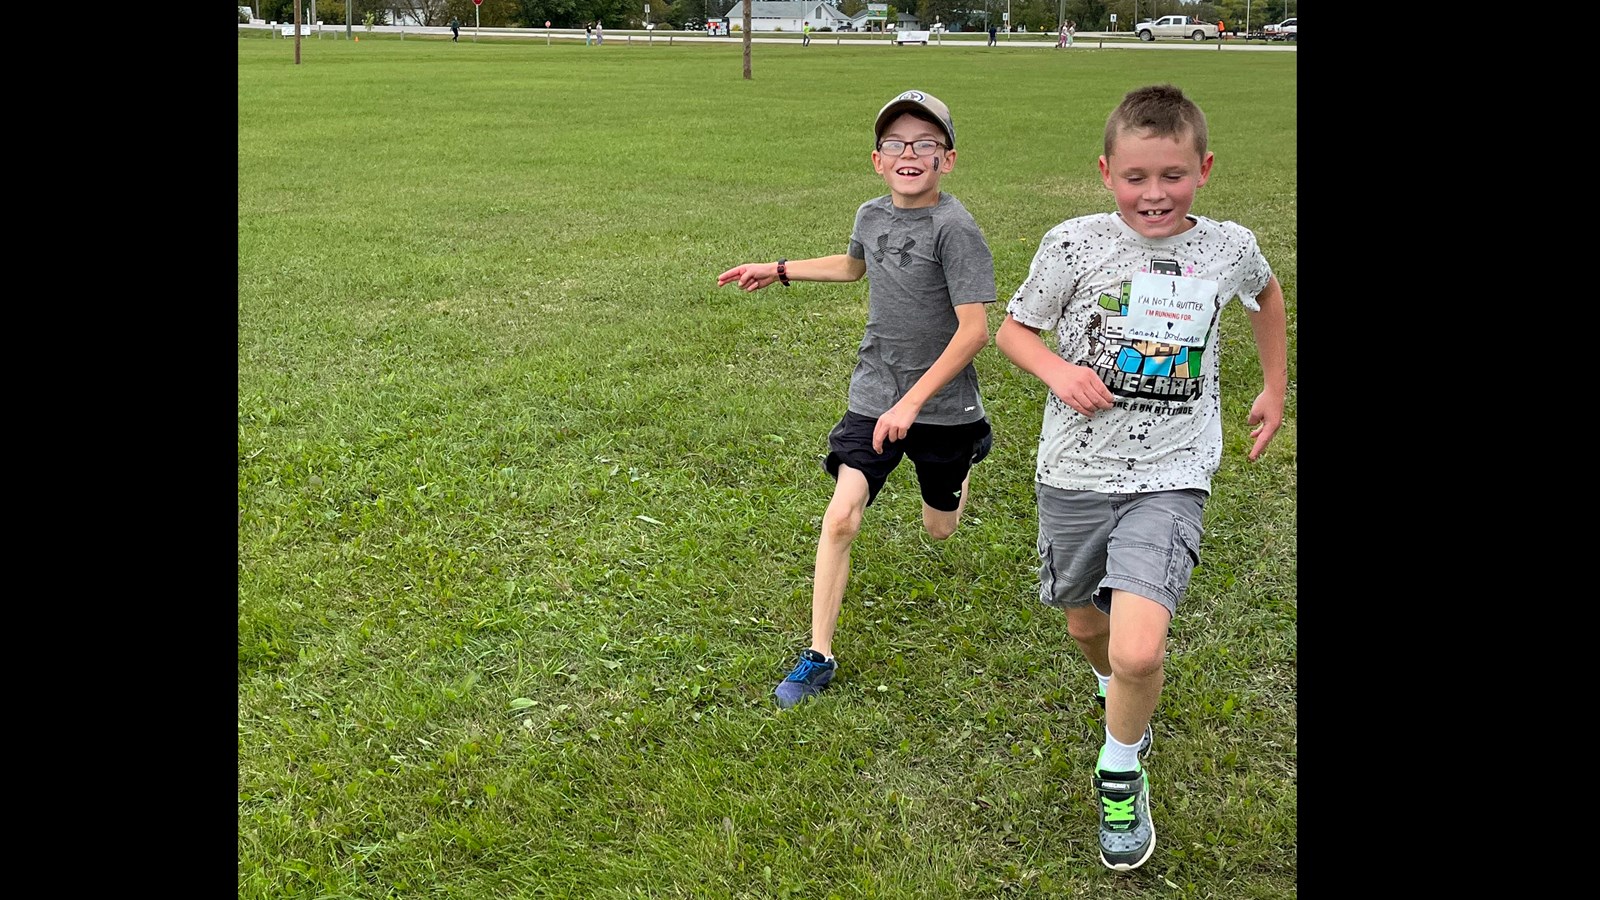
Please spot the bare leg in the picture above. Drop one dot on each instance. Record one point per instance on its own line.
(840, 525)
(1091, 629)
(1137, 651)
(941, 524)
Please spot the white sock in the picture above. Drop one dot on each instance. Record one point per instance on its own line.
(1105, 680)
(1116, 756)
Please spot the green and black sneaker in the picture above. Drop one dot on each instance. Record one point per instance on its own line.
(1127, 836)
(1144, 742)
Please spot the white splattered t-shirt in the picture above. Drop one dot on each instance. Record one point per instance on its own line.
(1143, 314)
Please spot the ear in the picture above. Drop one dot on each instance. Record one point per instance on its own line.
(1205, 169)
(1105, 173)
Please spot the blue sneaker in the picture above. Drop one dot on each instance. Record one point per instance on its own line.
(811, 674)
(1144, 742)
(1127, 836)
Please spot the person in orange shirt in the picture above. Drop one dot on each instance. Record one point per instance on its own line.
(1222, 31)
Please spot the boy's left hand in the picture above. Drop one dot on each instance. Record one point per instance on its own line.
(1266, 414)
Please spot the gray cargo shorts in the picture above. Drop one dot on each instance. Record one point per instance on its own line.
(1091, 543)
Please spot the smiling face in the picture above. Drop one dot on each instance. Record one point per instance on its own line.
(913, 179)
(1154, 179)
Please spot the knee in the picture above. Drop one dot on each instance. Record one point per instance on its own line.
(841, 523)
(1088, 629)
(1139, 662)
(940, 527)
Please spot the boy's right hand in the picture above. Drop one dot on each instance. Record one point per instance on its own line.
(1080, 388)
(751, 276)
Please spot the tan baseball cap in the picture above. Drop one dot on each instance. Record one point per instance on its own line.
(916, 100)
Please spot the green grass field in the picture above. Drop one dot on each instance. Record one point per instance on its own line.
(528, 506)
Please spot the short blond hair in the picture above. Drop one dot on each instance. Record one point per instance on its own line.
(1159, 110)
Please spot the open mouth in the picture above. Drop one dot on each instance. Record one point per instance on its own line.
(908, 171)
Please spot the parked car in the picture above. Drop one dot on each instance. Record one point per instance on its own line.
(846, 26)
(1283, 31)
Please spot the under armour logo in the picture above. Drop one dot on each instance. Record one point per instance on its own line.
(883, 247)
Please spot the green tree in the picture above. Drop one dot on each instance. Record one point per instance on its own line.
(492, 14)
(1091, 15)
(949, 12)
(331, 12)
(560, 13)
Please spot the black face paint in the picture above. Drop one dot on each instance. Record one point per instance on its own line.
(936, 163)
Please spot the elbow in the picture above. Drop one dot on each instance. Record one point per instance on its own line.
(1002, 340)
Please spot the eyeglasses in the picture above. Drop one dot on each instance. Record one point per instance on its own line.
(920, 148)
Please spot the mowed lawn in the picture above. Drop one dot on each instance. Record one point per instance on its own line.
(527, 506)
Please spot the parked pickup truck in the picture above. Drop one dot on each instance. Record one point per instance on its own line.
(1283, 31)
(1176, 27)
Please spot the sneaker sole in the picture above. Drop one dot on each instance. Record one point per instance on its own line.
(1129, 867)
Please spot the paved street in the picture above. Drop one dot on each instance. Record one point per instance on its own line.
(966, 41)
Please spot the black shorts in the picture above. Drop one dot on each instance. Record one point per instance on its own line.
(943, 454)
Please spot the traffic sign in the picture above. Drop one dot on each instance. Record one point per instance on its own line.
(477, 2)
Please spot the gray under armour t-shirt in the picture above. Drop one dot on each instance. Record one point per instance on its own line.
(921, 264)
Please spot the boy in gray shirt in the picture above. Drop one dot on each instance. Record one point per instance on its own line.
(914, 392)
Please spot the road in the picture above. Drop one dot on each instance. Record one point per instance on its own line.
(968, 40)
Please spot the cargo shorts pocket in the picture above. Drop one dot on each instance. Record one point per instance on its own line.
(1183, 555)
(1047, 570)
(1060, 583)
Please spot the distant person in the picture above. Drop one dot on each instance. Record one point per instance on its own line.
(1072, 30)
(1061, 39)
(914, 392)
(588, 33)
(805, 34)
(1222, 30)
(992, 31)
(1132, 426)
(455, 30)
(599, 33)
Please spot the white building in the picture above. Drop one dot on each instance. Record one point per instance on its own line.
(775, 15)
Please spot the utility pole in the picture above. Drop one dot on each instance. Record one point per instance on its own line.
(297, 32)
(347, 19)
